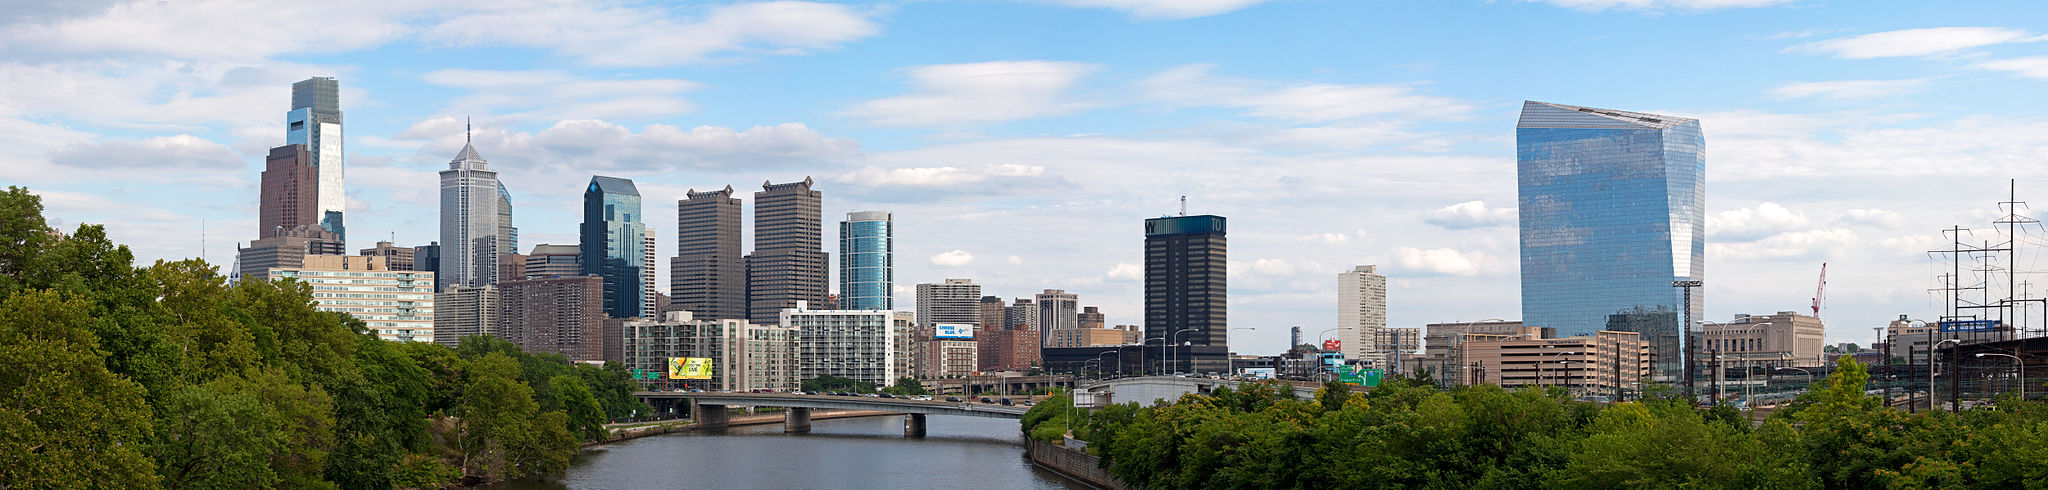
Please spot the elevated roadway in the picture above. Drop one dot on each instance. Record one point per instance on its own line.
(1144, 389)
(710, 408)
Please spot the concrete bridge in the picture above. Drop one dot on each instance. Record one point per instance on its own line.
(1144, 389)
(709, 409)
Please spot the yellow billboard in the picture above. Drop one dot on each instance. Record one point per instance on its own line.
(689, 368)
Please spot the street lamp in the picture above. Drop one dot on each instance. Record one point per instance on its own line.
(2015, 360)
(1144, 370)
(1319, 340)
(1933, 397)
(1176, 346)
(1100, 372)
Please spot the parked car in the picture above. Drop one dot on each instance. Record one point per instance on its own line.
(1005, 402)
(886, 395)
(987, 400)
(953, 399)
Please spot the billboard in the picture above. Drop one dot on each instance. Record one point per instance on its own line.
(689, 368)
(953, 331)
(1259, 373)
(1332, 344)
(1969, 326)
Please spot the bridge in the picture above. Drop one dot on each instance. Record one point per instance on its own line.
(1144, 389)
(710, 408)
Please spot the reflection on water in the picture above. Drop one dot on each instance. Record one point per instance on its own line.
(866, 452)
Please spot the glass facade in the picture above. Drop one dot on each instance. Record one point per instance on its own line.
(867, 246)
(614, 244)
(1613, 209)
(315, 121)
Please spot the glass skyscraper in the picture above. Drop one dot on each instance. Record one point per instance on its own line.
(315, 121)
(1613, 210)
(867, 249)
(614, 244)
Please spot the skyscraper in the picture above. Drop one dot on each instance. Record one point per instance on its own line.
(508, 235)
(553, 261)
(789, 263)
(651, 300)
(1186, 288)
(1059, 318)
(953, 301)
(867, 249)
(315, 121)
(290, 193)
(563, 315)
(988, 331)
(284, 248)
(1613, 210)
(470, 227)
(1362, 314)
(614, 243)
(708, 275)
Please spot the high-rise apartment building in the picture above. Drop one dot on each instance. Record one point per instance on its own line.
(614, 243)
(1613, 211)
(290, 194)
(1092, 318)
(553, 261)
(952, 301)
(399, 258)
(315, 123)
(857, 344)
(744, 356)
(987, 331)
(1022, 313)
(284, 249)
(1186, 289)
(789, 263)
(1059, 312)
(867, 264)
(651, 299)
(563, 315)
(471, 233)
(1362, 315)
(466, 311)
(708, 275)
(396, 305)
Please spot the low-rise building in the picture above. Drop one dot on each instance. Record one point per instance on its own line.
(1440, 344)
(1786, 339)
(397, 305)
(743, 356)
(1605, 363)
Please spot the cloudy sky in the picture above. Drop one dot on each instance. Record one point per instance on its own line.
(1021, 143)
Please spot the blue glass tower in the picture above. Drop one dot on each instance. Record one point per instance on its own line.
(614, 245)
(867, 264)
(1613, 209)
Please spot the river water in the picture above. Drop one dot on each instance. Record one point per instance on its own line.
(851, 453)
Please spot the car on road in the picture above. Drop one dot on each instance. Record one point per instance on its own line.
(987, 400)
(953, 399)
(922, 398)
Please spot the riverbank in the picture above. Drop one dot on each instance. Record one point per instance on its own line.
(623, 432)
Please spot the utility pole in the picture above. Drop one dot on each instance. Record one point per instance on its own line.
(1685, 338)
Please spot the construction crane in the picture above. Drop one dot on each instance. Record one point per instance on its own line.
(1820, 292)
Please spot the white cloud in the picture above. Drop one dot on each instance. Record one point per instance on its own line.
(554, 95)
(1800, 245)
(1438, 261)
(1661, 5)
(217, 29)
(1752, 223)
(597, 144)
(954, 258)
(1872, 216)
(1330, 238)
(182, 153)
(1164, 9)
(1850, 89)
(1195, 86)
(2030, 67)
(1126, 272)
(1470, 214)
(980, 93)
(614, 35)
(1917, 42)
(1015, 260)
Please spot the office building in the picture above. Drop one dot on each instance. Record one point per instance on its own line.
(1786, 339)
(651, 299)
(562, 315)
(315, 123)
(861, 345)
(512, 266)
(867, 264)
(1362, 315)
(289, 195)
(708, 275)
(1092, 317)
(1017, 348)
(1058, 313)
(952, 301)
(284, 249)
(509, 235)
(987, 330)
(1603, 363)
(743, 356)
(471, 230)
(789, 260)
(1022, 313)
(1440, 343)
(614, 243)
(399, 258)
(1403, 348)
(427, 257)
(1132, 334)
(1613, 211)
(1186, 293)
(553, 261)
(396, 305)
(466, 311)
(940, 358)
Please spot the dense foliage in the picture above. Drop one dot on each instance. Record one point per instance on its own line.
(118, 376)
(1407, 434)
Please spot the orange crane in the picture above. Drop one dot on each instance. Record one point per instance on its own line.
(1821, 291)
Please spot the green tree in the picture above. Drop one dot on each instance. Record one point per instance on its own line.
(216, 436)
(64, 418)
(585, 417)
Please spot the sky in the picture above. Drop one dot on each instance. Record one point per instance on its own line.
(1022, 143)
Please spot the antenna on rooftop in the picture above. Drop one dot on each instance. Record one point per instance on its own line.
(465, 130)
(1183, 205)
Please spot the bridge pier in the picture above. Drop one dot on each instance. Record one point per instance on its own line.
(913, 425)
(710, 416)
(796, 420)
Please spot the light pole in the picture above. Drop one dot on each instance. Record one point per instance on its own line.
(1319, 340)
(1227, 340)
(2015, 360)
(1101, 372)
(1144, 370)
(1749, 365)
(1176, 346)
(1685, 337)
(1932, 397)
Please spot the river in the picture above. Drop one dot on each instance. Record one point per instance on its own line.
(851, 453)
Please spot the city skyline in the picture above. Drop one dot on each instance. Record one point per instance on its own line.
(1402, 160)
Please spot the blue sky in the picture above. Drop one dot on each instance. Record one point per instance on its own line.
(1020, 143)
